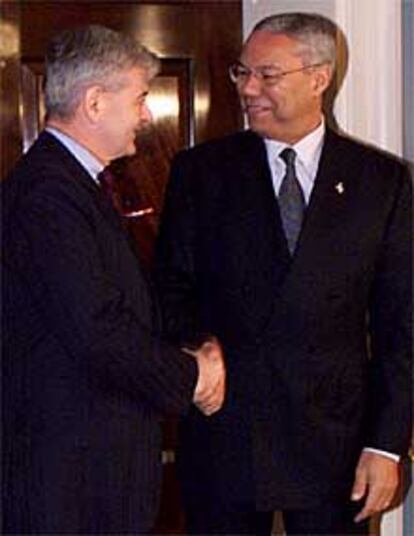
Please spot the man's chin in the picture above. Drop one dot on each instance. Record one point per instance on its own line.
(260, 127)
(130, 150)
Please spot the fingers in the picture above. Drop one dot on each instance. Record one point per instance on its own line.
(210, 389)
(361, 482)
(211, 400)
(377, 501)
(213, 403)
(376, 478)
(372, 506)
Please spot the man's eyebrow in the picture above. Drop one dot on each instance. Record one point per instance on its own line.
(261, 65)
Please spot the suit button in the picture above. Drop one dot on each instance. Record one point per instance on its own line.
(258, 340)
(311, 349)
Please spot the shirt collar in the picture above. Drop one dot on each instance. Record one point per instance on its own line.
(308, 149)
(92, 165)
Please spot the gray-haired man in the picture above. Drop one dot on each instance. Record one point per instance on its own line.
(86, 378)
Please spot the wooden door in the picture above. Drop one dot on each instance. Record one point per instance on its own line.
(192, 100)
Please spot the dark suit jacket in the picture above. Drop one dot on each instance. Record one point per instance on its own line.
(85, 377)
(303, 395)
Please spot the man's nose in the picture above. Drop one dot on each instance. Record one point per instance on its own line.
(251, 86)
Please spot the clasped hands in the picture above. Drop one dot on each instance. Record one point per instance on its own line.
(211, 384)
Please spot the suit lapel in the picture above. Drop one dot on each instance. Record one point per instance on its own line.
(76, 172)
(328, 203)
(73, 168)
(256, 194)
(321, 228)
(264, 231)
(328, 199)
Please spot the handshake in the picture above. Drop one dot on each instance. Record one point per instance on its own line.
(211, 384)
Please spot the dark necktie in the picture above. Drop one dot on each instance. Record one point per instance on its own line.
(291, 200)
(107, 180)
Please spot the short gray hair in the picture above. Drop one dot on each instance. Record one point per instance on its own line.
(316, 34)
(89, 55)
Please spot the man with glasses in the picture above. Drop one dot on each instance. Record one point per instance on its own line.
(291, 244)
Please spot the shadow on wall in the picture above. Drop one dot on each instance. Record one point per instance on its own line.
(341, 68)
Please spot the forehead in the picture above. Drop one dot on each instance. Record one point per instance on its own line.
(135, 79)
(264, 47)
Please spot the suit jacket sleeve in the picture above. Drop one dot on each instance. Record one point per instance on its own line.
(87, 309)
(390, 399)
(175, 259)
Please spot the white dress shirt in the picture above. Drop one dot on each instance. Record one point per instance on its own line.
(308, 151)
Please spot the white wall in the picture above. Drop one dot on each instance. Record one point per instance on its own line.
(370, 103)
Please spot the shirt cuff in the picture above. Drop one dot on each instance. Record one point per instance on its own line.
(390, 455)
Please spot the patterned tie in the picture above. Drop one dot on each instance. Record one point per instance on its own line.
(291, 200)
(108, 180)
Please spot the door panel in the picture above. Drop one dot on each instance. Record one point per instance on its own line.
(207, 33)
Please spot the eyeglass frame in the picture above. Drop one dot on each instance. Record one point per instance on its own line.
(276, 78)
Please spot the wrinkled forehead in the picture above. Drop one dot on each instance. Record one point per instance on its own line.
(267, 48)
(133, 78)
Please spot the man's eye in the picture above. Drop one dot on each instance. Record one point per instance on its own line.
(242, 72)
(269, 75)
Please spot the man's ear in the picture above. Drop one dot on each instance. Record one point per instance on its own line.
(94, 103)
(322, 77)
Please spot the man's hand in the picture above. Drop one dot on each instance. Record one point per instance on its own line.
(376, 477)
(210, 388)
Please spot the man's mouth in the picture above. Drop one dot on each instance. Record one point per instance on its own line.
(254, 108)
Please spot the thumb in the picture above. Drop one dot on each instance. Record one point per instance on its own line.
(361, 483)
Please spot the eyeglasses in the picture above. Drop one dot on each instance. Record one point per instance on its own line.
(269, 75)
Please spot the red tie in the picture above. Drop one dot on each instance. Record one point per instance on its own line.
(108, 181)
(126, 206)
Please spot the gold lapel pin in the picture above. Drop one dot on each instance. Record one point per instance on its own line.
(339, 187)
